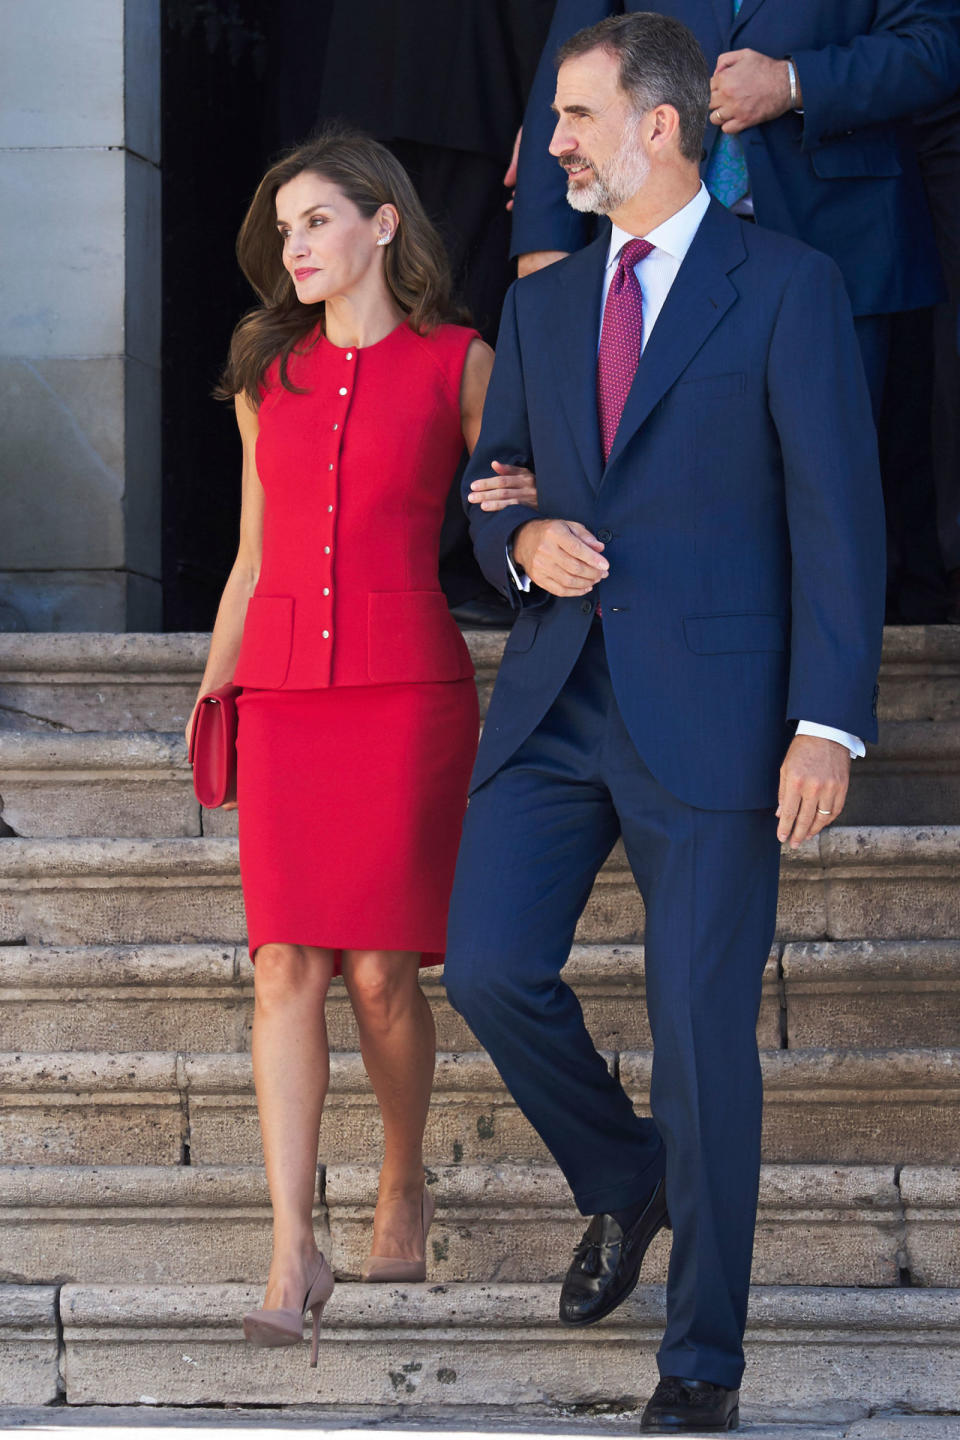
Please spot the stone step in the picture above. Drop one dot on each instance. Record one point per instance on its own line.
(83, 1108)
(881, 882)
(200, 997)
(29, 1345)
(872, 993)
(139, 784)
(61, 682)
(808, 1349)
(504, 1223)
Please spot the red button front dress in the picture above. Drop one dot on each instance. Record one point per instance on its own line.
(358, 714)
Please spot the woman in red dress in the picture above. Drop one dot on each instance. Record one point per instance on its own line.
(354, 397)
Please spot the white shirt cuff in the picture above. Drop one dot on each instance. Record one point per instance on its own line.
(522, 582)
(827, 732)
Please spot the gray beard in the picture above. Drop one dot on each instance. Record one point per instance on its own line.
(622, 176)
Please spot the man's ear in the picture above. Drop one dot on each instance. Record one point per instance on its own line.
(664, 127)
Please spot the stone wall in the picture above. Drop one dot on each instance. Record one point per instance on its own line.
(80, 315)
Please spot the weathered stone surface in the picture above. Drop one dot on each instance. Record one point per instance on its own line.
(891, 882)
(472, 1117)
(437, 1345)
(883, 882)
(29, 1355)
(872, 992)
(200, 997)
(175, 997)
(105, 681)
(150, 681)
(87, 1108)
(911, 778)
(97, 785)
(849, 1107)
(119, 891)
(500, 1223)
(931, 1201)
(151, 1224)
(817, 1225)
(920, 674)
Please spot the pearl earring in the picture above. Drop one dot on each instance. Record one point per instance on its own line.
(384, 240)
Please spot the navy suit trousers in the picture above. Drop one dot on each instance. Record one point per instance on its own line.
(536, 834)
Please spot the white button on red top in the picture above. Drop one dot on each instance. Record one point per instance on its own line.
(326, 549)
(343, 390)
(349, 354)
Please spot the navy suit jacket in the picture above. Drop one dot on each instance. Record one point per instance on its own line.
(842, 176)
(741, 509)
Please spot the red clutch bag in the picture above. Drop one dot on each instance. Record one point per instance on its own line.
(213, 747)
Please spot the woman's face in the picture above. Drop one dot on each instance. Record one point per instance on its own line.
(329, 248)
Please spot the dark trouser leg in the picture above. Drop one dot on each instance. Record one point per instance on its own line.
(873, 333)
(535, 836)
(709, 882)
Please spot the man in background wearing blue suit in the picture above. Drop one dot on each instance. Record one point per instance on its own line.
(804, 133)
(701, 599)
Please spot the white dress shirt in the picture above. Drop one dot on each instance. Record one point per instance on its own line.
(655, 274)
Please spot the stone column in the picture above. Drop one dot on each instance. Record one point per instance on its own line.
(80, 315)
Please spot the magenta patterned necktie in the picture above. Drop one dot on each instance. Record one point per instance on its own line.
(620, 339)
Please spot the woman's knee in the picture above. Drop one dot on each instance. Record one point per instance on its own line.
(380, 986)
(288, 973)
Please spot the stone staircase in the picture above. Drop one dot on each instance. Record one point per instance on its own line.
(134, 1217)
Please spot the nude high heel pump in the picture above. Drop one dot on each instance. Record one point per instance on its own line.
(391, 1267)
(285, 1327)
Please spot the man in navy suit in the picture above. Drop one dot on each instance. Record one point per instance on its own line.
(701, 598)
(804, 133)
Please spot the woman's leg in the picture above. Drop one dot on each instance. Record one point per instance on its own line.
(398, 1043)
(291, 1071)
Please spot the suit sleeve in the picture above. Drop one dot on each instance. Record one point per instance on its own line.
(820, 405)
(504, 436)
(907, 63)
(542, 219)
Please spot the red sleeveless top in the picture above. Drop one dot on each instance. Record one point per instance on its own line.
(356, 474)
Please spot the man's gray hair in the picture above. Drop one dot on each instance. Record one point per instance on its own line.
(660, 64)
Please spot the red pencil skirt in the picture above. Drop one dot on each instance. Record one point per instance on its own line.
(350, 805)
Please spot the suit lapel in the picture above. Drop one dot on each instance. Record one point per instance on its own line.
(573, 331)
(698, 300)
(723, 9)
(748, 9)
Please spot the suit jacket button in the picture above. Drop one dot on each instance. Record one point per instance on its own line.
(586, 606)
(604, 535)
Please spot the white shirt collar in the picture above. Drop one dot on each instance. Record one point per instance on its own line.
(674, 236)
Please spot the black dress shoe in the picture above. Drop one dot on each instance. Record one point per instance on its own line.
(606, 1263)
(690, 1405)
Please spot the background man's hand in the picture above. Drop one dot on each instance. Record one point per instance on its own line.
(561, 556)
(538, 260)
(748, 88)
(510, 178)
(814, 776)
(512, 485)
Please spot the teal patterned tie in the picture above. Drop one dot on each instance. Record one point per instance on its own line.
(727, 176)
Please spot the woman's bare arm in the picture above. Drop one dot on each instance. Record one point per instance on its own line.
(228, 627)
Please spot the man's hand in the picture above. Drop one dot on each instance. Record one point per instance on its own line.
(748, 88)
(538, 260)
(561, 556)
(512, 485)
(813, 787)
(510, 178)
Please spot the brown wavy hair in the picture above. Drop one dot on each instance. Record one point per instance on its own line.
(415, 263)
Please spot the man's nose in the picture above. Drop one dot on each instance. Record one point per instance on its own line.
(563, 142)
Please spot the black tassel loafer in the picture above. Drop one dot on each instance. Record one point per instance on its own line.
(690, 1406)
(606, 1263)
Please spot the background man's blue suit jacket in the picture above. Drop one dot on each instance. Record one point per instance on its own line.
(841, 176)
(742, 500)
